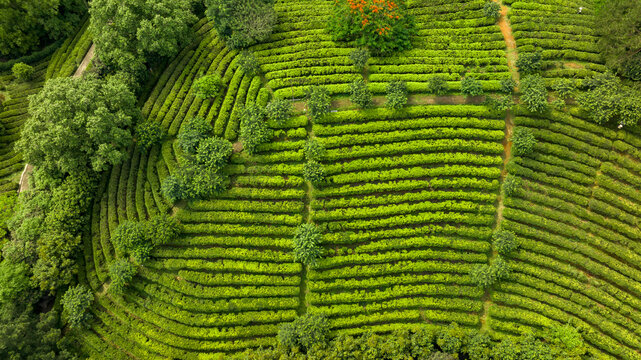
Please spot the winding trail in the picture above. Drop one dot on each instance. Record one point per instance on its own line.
(512, 55)
(28, 168)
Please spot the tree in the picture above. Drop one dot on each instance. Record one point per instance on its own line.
(26, 24)
(307, 244)
(318, 101)
(529, 63)
(383, 26)
(564, 88)
(248, 63)
(484, 275)
(162, 229)
(314, 172)
(471, 87)
(213, 153)
(121, 272)
(78, 123)
(492, 10)
(192, 132)
(22, 72)
(511, 184)
(173, 189)
(534, 94)
(504, 242)
(314, 150)
(14, 279)
(608, 100)
(396, 95)
(130, 239)
(508, 85)
(278, 110)
(128, 33)
(7, 205)
(75, 303)
(523, 141)
(437, 85)
(306, 332)
(208, 86)
(359, 57)
(619, 25)
(452, 338)
(360, 93)
(149, 133)
(242, 23)
(253, 128)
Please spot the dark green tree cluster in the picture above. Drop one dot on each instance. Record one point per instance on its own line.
(534, 94)
(149, 133)
(248, 63)
(314, 171)
(200, 175)
(529, 63)
(254, 129)
(619, 27)
(75, 302)
(504, 242)
(208, 86)
(471, 87)
(304, 333)
(278, 110)
(492, 10)
(608, 100)
(27, 24)
(318, 102)
(511, 184)
(360, 94)
(437, 85)
(307, 244)
(523, 141)
(396, 95)
(242, 23)
(22, 72)
(359, 58)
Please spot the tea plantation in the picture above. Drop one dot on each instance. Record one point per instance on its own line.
(316, 179)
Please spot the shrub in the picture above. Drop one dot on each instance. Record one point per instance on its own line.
(314, 172)
(508, 85)
(360, 93)
(253, 128)
(22, 72)
(129, 238)
(121, 272)
(192, 132)
(534, 94)
(173, 189)
(564, 88)
(75, 303)
(499, 103)
(471, 87)
(482, 275)
(162, 229)
(511, 184)
(381, 25)
(500, 268)
(504, 242)
(306, 332)
(278, 110)
(202, 183)
(213, 153)
(437, 85)
(318, 101)
(14, 279)
(557, 104)
(359, 58)
(248, 63)
(529, 63)
(452, 338)
(7, 205)
(492, 10)
(608, 100)
(148, 134)
(208, 86)
(619, 41)
(242, 23)
(523, 141)
(307, 244)
(314, 150)
(396, 95)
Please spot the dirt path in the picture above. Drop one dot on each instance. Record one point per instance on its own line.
(506, 30)
(85, 62)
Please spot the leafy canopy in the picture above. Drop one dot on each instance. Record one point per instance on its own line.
(360, 93)
(75, 302)
(619, 24)
(608, 100)
(242, 23)
(307, 244)
(253, 128)
(523, 141)
(396, 95)
(534, 93)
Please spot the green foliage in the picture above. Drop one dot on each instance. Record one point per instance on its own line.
(75, 303)
(208, 86)
(7, 205)
(78, 123)
(499, 104)
(162, 229)
(608, 100)
(383, 27)
(307, 244)
(452, 338)
(437, 85)
(523, 141)
(318, 101)
(504, 242)
(173, 189)
(508, 85)
(529, 63)
(278, 110)
(253, 128)
(567, 342)
(314, 150)
(121, 272)
(128, 33)
(248, 63)
(492, 10)
(306, 332)
(149, 133)
(26, 24)
(360, 93)
(511, 184)
(314, 172)
(484, 275)
(14, 279)
(618, 25)
(564, 88)
(534, 94)
(22, 72)
(359, 57)
(479, 346)
(213, 153)
(471, 87)
(242, 23)
(396, 95)
(130, 239)
(192, 133)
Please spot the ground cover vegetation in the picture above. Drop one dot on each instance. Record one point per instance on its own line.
(310, 179)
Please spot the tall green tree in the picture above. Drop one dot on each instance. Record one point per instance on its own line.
(242, 23)
(78, 123)
(619, 24)
(128, 33)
